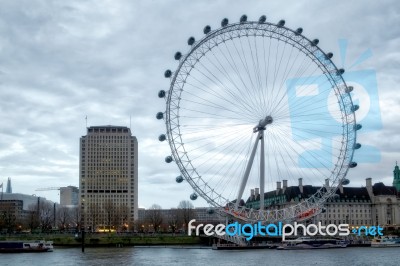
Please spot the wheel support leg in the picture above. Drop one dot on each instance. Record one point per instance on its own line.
(247, 172)
(262, 171)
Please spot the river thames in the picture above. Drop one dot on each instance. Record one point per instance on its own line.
(203, 256)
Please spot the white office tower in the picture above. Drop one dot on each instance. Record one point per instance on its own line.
(108, 178)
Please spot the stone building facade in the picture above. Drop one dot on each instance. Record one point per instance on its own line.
(374, 204)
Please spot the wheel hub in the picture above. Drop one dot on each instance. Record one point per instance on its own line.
(263, 123)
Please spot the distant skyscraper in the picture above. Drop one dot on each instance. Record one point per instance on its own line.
(69, 196)
(108, 177)
(9, 188)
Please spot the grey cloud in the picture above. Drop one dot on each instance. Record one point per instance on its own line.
(61, 61)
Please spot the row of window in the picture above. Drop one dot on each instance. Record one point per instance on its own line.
(345, 216)
(349, 200)
(107, 157)
(111, 195)
(348, 210)
(93, 178)
(107, 162)
(351, 222)
(107, 186)
(108, 136)
(94, 171)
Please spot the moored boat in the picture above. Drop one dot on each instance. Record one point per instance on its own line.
(312, 243)
(25, 246)
(385, 241)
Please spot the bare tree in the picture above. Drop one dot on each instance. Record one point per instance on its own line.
(94, 213)
(139, 225)
(174, 220)
(109, 210)
(46, 215)
(76, 217)
(8, 217)
(154, 217)
(186, 212)
(122, 217)
(63, 217)
(33, 220)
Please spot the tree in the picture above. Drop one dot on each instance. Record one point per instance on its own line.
(139, 225)
(186, 212)
(109, 210)
(63, 217)
(8, 218)
(174, 220)
(33, 220)
(154, 216)
(76, 217)
(46, 215)
(122, 217)
(93, 215)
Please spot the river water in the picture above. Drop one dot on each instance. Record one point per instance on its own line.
(153, 256)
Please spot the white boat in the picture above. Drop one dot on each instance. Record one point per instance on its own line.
(26, 246)
(312, 243)
(385, 241)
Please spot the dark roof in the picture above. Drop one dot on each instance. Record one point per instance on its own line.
(382, 189)
(354, 193)
(293, 192)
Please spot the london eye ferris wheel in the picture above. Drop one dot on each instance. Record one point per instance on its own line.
(254, 103)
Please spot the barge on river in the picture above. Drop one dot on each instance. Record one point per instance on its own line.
(25, 246)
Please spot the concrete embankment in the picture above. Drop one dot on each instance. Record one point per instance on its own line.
(112, 240)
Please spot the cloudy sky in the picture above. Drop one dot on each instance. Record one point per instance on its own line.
(61, 61)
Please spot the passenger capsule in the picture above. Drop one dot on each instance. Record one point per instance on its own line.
(355, 107)
(160, 115)
(178, 55)
(179, 179)
(340, 72)
(162, 137)
(336, 196)
(243, 19)
(345, 181)
(193, 196)
(315, 42)
(262, 19)
(357, 146)
(329, 55)
(353, 164)
(168, 159)
(207, 29)
(224, 22)
(161, 94)
(167, 73)
(191, 41)
(349, 89)
(281, 23)
(358, 126)
(299, 31)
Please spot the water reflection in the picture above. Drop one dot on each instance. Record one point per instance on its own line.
(178, 256)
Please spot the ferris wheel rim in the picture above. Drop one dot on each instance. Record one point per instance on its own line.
(323, 62)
